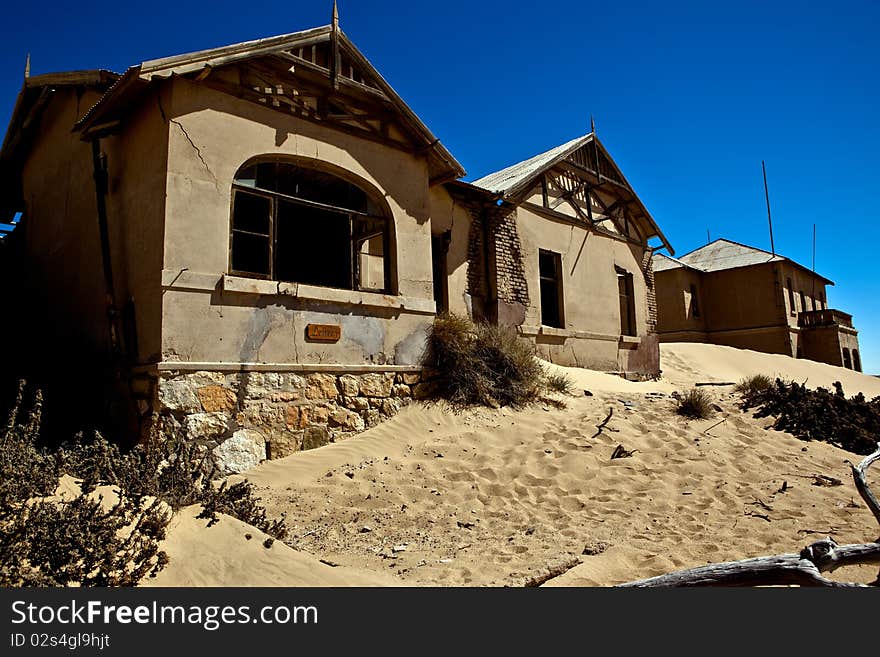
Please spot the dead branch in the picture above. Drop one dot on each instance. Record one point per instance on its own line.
(552, 572)
(858, 472)
(803, 569)
(620, 452)
(603, 423)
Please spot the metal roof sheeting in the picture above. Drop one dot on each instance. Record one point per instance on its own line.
(506, 179)
(723, 254)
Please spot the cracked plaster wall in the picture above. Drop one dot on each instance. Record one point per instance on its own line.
(210, 137)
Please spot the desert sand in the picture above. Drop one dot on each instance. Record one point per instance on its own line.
(499, 497)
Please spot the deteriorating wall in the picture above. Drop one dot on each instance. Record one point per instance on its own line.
(651, 293)
(243, 418)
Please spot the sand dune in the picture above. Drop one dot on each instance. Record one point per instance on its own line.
(496, 497)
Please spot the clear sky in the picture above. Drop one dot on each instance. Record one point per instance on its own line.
(688, 98)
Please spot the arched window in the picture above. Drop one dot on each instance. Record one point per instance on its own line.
(296, 224)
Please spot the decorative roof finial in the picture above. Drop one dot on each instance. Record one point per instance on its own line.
(592, 125)
(27, 66)
(335, 63)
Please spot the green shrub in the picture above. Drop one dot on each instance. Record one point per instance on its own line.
(694, 404)
(753, 384)
(481, 364)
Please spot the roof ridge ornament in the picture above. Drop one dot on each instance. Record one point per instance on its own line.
(27, 66)
(335, 63)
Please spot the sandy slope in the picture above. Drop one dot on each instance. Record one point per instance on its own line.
(496, 497)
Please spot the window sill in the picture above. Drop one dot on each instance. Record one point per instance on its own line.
(630, 340)
(243, 285)
(554, 331)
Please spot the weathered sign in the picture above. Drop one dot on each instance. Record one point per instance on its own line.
(323, 332)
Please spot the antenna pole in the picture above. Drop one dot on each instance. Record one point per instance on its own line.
(814, 266)
(769, 219)
(708, 236)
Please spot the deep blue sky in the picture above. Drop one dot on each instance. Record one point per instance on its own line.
(688, 97)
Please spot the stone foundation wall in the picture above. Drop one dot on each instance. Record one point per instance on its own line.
(243, 418)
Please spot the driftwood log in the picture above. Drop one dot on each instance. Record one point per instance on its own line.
(804, 569)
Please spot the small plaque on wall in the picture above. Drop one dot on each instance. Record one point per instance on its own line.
(323, 332)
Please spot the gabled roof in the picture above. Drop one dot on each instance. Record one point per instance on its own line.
(35, 95)
(363, 78)
(520, 177)
(513, 177)
(723, 254)
(663, 262)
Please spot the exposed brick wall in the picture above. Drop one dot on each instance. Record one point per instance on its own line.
(476, 271)
(651, 295)
(512, 286)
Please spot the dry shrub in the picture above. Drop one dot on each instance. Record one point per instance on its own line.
(853, 424)
(51, 542)
(560, 383)
(694, 404)
(481, 364)
(753, 384)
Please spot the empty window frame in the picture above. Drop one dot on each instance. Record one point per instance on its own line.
(791, 306)
(847, 362)
(856, 360)
(295, 224)
(695, 303)
(550, 275)
(627, 302)
(803, 302)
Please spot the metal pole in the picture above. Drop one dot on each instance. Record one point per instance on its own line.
(769, 219)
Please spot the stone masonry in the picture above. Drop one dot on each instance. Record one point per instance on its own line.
(246, 417)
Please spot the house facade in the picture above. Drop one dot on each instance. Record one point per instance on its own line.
(253, 242)
(736, 295)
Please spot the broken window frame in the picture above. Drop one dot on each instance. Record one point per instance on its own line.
(627, 303)
(355, 240)
(546, 304)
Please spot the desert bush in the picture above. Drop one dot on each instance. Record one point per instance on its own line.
(560, 383)
(481, 364)
(58, 542)
(753, 384)
(853, 424)
(694, 404)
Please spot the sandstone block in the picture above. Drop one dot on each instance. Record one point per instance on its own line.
(178, 395)
(206, 425)
(315, 437)
(349, 385)
(216, 398)
(321, 386)
(243, 451)
(377, 385)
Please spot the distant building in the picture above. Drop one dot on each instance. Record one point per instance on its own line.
(736, 295)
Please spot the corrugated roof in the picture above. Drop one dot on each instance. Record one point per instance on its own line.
(508, 178)
(663, 262)
(723, 254)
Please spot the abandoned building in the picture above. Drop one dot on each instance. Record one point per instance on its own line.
(254, 241)
(736, 295)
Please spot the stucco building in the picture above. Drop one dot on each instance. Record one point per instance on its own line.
(253, 242)
(736, 295)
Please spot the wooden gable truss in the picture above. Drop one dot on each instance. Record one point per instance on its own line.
(587, 188)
